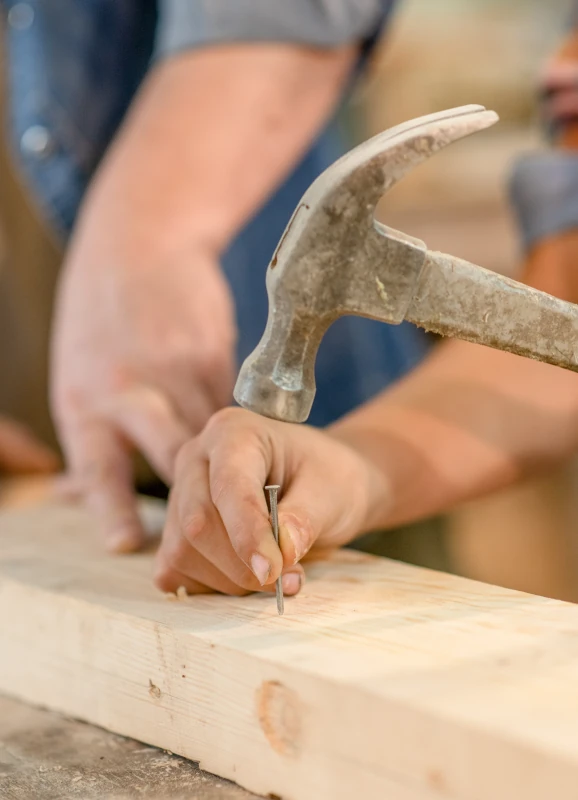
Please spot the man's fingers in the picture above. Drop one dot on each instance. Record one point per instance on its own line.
(147, 418)
(168, 579)
(101, 461)
(174, 581)
(222, 380)
(196, 544)
(180, 563)
(241, 460)
(194, 406)
(305, 513)
(197, 570)
(199, 524)
(187, 523)
(21, 451)
(239, 466)
(309, 510)
(292, 579)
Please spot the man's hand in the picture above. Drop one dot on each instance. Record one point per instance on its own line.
(22, 452)
(218, 535)
(143, 356)
(143, 349)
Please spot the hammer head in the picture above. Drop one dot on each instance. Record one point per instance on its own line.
(335, 258)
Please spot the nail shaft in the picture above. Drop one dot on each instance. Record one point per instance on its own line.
(272, 490)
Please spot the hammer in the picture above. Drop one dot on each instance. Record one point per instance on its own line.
(335, 258)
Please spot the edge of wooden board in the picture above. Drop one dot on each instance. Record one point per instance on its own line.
(383, 680)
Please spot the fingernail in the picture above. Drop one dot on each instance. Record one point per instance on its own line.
(294, 533)
(261, 567)
(291, 582)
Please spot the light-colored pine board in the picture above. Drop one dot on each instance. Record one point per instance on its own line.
(46, 756)
(382, 680)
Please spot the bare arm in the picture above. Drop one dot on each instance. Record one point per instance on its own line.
(468, 421)
(212, 133)
(144, 335)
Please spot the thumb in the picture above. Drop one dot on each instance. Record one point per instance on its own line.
(21, 451)
(312, 509)
(303, 515)
(298, 530)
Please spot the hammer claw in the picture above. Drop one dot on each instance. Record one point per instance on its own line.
(404, 147)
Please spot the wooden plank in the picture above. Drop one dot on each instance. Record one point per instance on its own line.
(382, 680)
(45, 756)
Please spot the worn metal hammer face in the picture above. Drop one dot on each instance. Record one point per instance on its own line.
(335, 258)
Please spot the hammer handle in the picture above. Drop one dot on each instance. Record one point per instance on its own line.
(458, 299)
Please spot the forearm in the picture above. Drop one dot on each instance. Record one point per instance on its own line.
(471, 420)
(210, 136)
(468, 421)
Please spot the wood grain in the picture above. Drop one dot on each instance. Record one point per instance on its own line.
(45, 756)
(382, 680)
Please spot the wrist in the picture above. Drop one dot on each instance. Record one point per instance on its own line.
(145, 222)
(374, 473)
(115, 235)
(417, 460)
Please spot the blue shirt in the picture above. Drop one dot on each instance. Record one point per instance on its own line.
(73, 69)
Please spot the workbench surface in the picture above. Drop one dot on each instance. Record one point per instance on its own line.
(46, 756)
